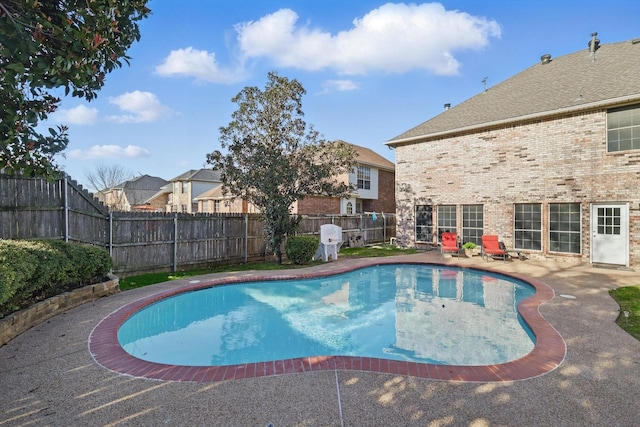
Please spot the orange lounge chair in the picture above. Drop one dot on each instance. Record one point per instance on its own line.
(491, 247)
(449, 243)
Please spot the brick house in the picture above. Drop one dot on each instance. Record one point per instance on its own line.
(374, 178)
(131, 195)
(214, 201)
(180, 194)
(548, 159)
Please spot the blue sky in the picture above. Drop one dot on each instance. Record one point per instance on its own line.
(371, 69)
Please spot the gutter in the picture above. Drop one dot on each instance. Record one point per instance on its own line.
(527, 117)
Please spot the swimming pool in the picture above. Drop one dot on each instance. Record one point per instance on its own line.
(404, 312)
(104, 347)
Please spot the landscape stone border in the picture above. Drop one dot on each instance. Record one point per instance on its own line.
(21, 321)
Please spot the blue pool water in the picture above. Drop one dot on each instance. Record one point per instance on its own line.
(420, 313)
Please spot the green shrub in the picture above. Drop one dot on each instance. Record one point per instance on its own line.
(17, 266)
(31, 270)
(300, 249)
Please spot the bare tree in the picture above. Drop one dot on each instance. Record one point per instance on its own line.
(106, 176)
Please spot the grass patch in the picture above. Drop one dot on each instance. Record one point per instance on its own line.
(140, 281)
(376, 251)
(628, 298)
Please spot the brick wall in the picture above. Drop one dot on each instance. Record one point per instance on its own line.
(315, 205)
(386, 201)
(559, 160)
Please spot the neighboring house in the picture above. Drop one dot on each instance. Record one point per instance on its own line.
(160, 199)
(373, 177)
(549, 160)
(214, 201)
(132, 194)
(374, 180)
(180, 195)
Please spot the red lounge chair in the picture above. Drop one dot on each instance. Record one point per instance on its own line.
(491, 247)
(449, 243)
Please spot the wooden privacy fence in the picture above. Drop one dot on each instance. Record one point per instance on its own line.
(143, 241)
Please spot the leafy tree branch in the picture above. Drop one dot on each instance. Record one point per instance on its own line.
(50, 45)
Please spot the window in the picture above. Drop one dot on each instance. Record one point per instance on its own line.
(472, 224)
(623, 129)
(564, 227)
(446, 219)
(349, 208)
(364, 178)
(359, 206)
(527, 226)
(609, 221)
(183, 208)
(185, 187)
(216, 205)
(424, 223)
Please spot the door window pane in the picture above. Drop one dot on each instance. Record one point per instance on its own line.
(609, 221)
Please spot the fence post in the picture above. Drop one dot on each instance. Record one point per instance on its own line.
(175, 242)
(111, 234)
(66, 207)
(246, 238)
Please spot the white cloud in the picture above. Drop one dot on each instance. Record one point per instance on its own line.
(109, 151)
(80, 115)
(141, 107)
(392, 38)
(339, 85)
(196, 63)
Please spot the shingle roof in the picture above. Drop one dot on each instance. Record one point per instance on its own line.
(572, 82)
(209, 175)
(139, 189)
(212, 193)
(366, 156)
(144, 182)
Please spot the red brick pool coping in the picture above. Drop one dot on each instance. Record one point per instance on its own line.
(547, 355)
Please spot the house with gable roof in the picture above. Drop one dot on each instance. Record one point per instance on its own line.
(215, 201)
(373, 177)
(132, 194)
(374, 180)
(180, 194)
(549, 160)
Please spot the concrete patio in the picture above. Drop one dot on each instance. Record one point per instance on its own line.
(48, 376)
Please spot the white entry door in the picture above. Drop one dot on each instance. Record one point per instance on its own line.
(610, 234)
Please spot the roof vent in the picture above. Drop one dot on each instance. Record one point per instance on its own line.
(545, 59)
(594, 43)
(447, 106)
